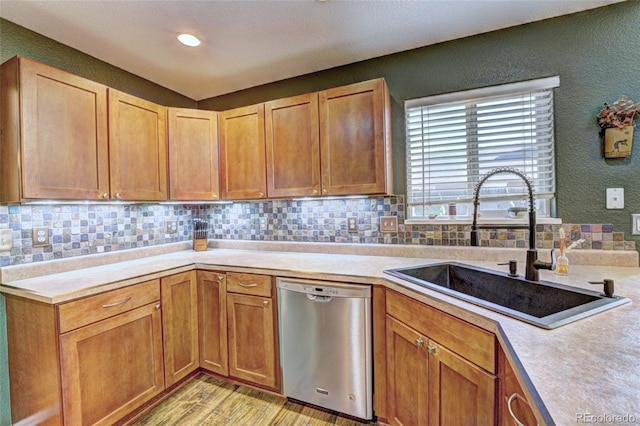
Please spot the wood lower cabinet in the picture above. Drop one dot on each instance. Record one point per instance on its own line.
(53, 134)
(137, 148)
(111, 367)
(252, 331)
(178, 294)
(193, 155)
(513, 400)
(242, 153)
(427, 382)
(212, 320)
(86, 362)
(355, 139)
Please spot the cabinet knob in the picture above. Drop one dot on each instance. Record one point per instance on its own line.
(265, 303)
(215, 196)
(324, 191)
(105, 195)
(315, 192)
(419, 342)
(261, 195)
(432, 350)
(118, 196)
(220, 278)
(157, 306)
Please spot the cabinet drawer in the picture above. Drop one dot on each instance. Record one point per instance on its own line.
(95, 308)
(467, 340)
(257, 285)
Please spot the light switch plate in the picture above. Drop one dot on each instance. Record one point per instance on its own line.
(6, 239)
(635, 224)
(389, 224)
(170, 226)
(615, 198)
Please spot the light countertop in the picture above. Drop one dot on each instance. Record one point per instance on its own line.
(586, 368)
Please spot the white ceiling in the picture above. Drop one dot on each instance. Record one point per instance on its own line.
(248, 43)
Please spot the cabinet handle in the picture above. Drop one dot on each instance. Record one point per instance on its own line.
(118, 196)
(122, 302)
(513, 416)
(419, 342)
(105, 195)
(247, 285)
(265, 303)
(432, 350)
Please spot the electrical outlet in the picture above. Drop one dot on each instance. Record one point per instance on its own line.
(389, 224)
(170, 226)
(6, 239)
(263, 224)
(40, 237)
(352, 224)
(635, 224)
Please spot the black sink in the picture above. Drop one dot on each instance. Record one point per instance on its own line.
(544, 304)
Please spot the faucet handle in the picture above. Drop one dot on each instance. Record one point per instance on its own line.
(553, 259)
(513, 267)
(608, 286)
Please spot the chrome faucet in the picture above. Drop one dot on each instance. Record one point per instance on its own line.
(533, 264)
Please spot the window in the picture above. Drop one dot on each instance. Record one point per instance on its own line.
(453, 140)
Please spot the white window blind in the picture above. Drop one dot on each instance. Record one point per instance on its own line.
(454, 140)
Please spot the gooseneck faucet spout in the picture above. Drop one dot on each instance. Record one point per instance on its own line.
(533, 264)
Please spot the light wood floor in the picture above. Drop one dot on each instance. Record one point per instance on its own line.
(208, 401)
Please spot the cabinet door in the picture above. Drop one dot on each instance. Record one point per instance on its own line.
(407, 375)
(64, 135)
(460, 393)
(519, 405)
(111, 367)
(242, 153)
(137, 148)
(193, 155)
(252, 339)
(293, 146)
(212, 318)
(179, 325)
(355, 140)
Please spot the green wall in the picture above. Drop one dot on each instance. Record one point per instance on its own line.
(596, 55)
(17, 40)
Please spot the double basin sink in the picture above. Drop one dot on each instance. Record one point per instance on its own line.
(541, 303)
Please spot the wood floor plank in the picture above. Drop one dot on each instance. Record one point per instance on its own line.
(207, 401)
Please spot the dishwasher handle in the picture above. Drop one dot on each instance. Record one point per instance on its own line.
(319, 299)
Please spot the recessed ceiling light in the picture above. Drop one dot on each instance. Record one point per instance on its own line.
(188, 39)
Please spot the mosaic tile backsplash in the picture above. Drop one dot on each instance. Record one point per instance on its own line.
(82, 229)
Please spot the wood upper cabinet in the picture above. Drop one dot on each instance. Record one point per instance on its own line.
(54, 142)
(252, 326)
(137, 148)
(212, 320)
(429, 383)
(355, 139)
(193, 155)
(293, 146)
(179, 325)
(242, 153)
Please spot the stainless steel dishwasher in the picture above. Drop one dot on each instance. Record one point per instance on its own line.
(325, 344)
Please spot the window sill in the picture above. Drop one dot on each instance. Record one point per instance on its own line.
(495, 221)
